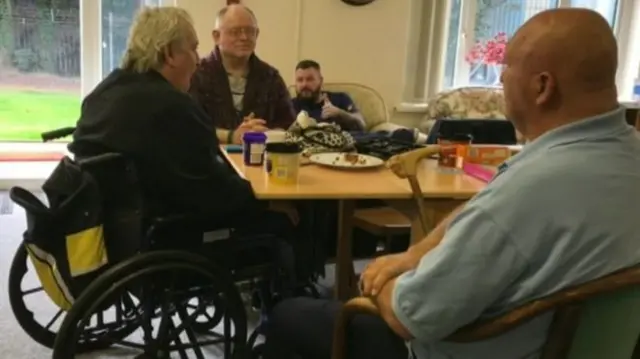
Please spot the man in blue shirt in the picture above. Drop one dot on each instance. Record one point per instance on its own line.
(324, 106)
(560, 213)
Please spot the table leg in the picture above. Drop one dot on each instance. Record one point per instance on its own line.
(437, 210)
(345, 277)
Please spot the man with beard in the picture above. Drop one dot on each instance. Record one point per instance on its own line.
(324, 106)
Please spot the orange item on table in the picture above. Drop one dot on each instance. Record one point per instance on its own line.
(487, 155)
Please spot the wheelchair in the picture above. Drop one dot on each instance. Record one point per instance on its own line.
(149, 277)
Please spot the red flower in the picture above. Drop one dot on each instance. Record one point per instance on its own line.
(489, 52)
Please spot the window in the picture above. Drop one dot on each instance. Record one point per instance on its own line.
(476, 21)
(117, 17)
(52, 52)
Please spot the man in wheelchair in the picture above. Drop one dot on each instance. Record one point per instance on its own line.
(142, 111)
(146, 158)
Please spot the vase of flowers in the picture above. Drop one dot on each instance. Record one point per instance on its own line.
(489, 53)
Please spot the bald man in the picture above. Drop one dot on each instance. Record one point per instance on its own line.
(237, 90)
(560, 213)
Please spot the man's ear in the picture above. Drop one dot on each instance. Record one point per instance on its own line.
(546, 84)
(215, 35)
(167, 55)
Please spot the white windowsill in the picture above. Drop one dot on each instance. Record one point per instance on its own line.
(33, 147)
(28, 174)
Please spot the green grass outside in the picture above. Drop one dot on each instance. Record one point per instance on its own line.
(25, 114)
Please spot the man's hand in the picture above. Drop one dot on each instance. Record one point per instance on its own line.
(287, 208)
(329, 110)
(249, 124)
(385, 268)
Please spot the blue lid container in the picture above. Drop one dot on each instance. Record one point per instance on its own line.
(253, 146)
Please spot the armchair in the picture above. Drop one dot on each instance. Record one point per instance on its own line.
(594, 320)
(367, 100)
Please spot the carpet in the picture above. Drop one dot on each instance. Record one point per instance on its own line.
(30, 156)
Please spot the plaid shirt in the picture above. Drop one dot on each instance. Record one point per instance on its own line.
(265, 95)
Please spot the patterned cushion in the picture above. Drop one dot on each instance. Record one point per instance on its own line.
(465, 103)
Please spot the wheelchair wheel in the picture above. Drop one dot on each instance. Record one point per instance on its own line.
(164, 282)
(45, 334)
(207, 319)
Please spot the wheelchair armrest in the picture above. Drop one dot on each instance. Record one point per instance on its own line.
(172, 219)
(175, 219)
(205, 223)
(99, 159)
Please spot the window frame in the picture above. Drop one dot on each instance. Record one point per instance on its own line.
(626, 26)
(91, 43)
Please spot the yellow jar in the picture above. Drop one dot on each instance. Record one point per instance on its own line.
(282, 162)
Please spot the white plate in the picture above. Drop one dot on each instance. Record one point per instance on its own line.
(338, 160)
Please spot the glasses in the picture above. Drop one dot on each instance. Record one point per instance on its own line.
(238, 31)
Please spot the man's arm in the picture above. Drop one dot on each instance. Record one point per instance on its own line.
(384, 301)
(194, 174)
(283, 113)
(455, 282)
(224, 136)
(352, 114)
(434, 237)
(198, 91)
(357, 119)
(350, 119)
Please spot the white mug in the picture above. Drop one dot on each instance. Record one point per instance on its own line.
(275, 136)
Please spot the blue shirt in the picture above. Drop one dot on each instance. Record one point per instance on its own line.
(339, 99)
(561, 212)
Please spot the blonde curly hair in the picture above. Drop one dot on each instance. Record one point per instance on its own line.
(153, 31)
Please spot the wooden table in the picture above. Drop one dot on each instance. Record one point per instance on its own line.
(443, 191)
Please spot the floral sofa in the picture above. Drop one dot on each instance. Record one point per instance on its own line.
(465, 102)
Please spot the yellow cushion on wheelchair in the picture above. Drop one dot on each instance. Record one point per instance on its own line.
(52, 283)
(86, 251)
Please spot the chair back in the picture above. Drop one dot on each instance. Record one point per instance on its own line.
(368, 101)
(123, 204)
(609, 326)
(594, 320)
(91, 223)
(118, 197)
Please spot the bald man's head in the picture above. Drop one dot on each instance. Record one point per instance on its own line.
(236, 31)
(234, 10)
(556, 61)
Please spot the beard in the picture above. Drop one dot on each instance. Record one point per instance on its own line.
(308, 96)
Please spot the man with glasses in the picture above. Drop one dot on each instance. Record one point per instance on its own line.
(238, 91)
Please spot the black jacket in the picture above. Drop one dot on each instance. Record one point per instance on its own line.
(171, 141)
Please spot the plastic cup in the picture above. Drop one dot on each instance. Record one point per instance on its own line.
(453, 150)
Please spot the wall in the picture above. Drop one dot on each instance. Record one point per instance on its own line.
(365, 44)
